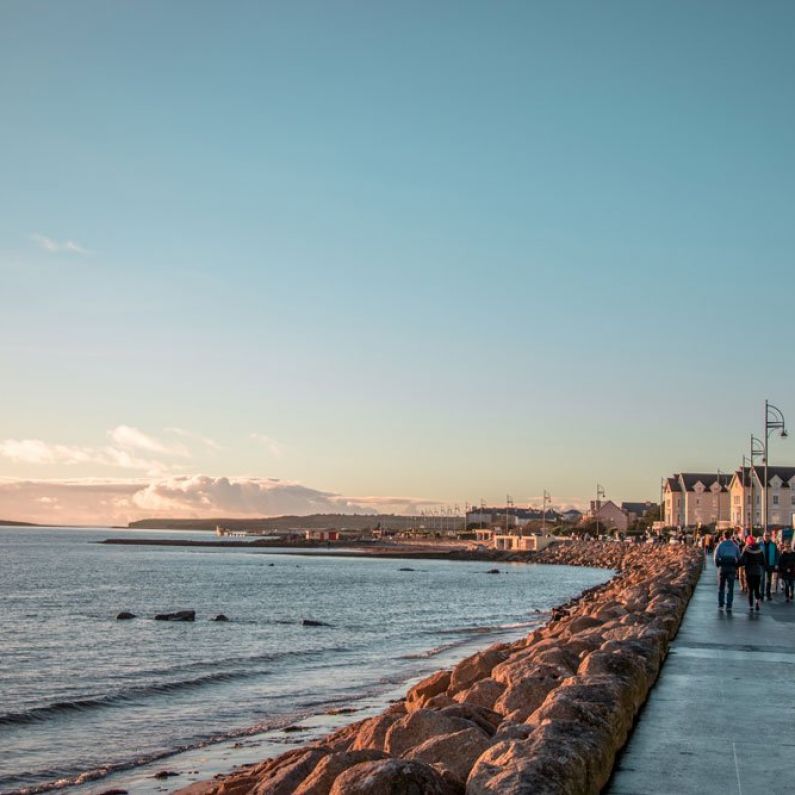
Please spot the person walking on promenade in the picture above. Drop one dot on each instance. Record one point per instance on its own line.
(770, 551)
(739, 539)
(727, 558)
(753, 560)
(786, 571)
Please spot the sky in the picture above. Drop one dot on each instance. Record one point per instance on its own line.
(260, 258)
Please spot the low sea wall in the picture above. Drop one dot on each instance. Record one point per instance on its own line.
(545, 714)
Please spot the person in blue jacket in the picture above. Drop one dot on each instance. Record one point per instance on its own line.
(770, 551)
(727, 558)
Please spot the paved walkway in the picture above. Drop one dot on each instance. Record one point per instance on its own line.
(721, 717)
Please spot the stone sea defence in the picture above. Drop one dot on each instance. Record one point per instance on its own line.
(545, 714)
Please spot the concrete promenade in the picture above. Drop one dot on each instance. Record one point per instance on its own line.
(721, 717)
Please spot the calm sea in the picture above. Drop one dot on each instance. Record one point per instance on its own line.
(84, 697)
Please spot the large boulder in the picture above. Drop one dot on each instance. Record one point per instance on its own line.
(372, 733)
(322, 778)
(523, 696)
(393, 777)
(179, 615)
(452, 754)
(483, 693)
(285, 778)
(562, 657)
(424, 691)
(420, 725)
(476, 667)
(627, 667)
(343, 738)
(485, 719)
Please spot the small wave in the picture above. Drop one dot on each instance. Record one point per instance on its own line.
(248, 660)
(436, 650)
(485, 630)
(124, 696)
(59, 780)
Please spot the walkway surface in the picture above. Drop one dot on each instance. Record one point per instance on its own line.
(721, 717)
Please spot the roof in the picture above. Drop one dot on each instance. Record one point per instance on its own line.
(638, 508)
(689, 479)
(784, 473)
(743, 474)
(673, 484)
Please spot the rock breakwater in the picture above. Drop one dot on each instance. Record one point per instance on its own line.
(545, 714)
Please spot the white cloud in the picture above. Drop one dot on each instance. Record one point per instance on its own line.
(118, 501)
(36, 451)
(56, 246)
(130, 449)
(205, 440)
(276, 449)
(129, 438)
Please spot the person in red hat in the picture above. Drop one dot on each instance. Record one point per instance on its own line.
(753, 560)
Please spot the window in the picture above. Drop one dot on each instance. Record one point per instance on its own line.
(775, 499)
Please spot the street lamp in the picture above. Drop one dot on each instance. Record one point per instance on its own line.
(545, 500)
(757, 449)
(774, 421)
(600, 492)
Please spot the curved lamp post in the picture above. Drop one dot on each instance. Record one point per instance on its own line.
(757, 449)
(774, 421)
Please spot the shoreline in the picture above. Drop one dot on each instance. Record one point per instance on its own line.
(220, 758)
(268, 741)
(566, 553)
(549, 712)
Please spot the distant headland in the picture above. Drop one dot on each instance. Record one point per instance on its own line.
(315, 521)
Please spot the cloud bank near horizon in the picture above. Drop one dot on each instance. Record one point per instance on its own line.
(94, 501)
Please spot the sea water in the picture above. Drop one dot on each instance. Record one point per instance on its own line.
(84, 696)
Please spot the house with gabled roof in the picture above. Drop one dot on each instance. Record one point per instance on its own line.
(637, 510)
(693, 499)
(746, 490)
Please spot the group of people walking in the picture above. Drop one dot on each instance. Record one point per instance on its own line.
(758, 563)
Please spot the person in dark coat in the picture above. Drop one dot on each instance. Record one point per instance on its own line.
(770, 552)
(786, 570)
(753, 561)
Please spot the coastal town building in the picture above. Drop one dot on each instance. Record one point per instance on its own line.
(637, 510)
(532, 542)
(612, 516)
(694, 499)
(609, 515)
(747, 489)
(322, 535)
(484, 517)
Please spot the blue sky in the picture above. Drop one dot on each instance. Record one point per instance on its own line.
(432, 251)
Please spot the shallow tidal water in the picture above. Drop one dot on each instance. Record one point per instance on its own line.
(88, 702)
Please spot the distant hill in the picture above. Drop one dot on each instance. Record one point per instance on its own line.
(17, 524)
(317, 521)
